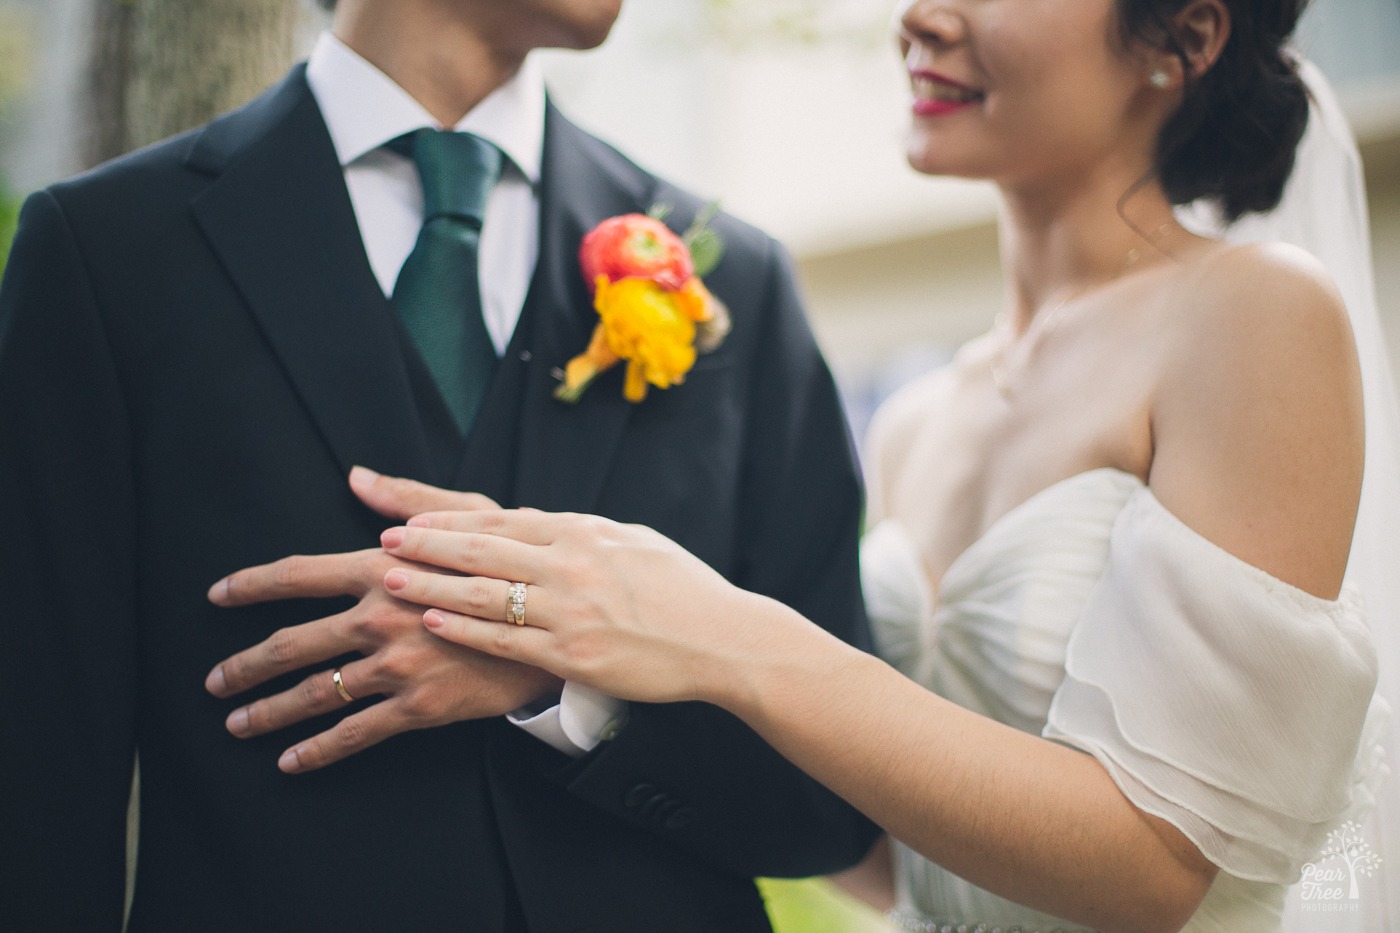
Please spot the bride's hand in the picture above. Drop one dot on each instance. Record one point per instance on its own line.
(620, 608)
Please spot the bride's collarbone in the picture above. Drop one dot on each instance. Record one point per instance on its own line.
(972, 454)
(961, 478)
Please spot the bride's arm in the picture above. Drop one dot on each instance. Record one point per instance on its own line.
(1031, 820)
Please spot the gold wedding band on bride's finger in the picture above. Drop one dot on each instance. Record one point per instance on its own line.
(515, 603)
(340, 686)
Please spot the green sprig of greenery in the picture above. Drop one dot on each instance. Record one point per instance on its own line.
(706, 247)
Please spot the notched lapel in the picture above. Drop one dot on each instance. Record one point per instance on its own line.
(280, 219)
(566, 451)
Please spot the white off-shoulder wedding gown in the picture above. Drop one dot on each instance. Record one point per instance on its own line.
(1235, 706)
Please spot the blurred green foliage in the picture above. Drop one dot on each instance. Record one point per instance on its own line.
(9, 219)
(814, 905)
(16, 53)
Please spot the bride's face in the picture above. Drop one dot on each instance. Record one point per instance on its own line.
(1021, 90)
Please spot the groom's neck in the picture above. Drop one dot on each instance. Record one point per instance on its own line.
(442, 54)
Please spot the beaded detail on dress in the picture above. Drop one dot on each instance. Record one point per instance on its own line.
(914, 923)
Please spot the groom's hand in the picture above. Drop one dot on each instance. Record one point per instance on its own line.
(401, 499)
(425, 681)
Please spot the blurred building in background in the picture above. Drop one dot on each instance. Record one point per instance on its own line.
(791, 113)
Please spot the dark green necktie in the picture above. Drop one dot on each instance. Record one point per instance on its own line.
(438, 294)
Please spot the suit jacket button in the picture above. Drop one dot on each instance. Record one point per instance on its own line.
(681, 818)
(639, 795)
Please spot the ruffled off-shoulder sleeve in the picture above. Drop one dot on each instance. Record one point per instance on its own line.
(1238, 708)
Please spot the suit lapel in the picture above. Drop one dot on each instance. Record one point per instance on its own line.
(280, 219)
(566, 450)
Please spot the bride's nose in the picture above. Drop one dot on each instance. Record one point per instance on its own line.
(935, 23)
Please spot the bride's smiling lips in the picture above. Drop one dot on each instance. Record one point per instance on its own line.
(936, 94)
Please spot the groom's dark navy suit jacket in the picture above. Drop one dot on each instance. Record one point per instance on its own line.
(193, 353)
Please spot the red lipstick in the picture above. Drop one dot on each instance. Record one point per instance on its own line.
(937, 95)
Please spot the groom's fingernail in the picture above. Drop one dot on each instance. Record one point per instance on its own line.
(237, 721)
(392, 537)
(215, 682)
(396, 579)
(289, 762)
(218, 593)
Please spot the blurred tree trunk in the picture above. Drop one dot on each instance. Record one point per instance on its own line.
(162, 66)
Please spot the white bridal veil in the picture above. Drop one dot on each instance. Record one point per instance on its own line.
(1324, 212)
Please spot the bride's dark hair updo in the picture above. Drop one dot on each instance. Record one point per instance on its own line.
(1234, 137)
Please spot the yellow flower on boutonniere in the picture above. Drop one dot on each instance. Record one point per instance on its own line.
(653, 310)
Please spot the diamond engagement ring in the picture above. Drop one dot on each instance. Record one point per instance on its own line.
(515, 603)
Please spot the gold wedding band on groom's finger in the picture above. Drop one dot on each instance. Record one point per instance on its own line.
(515, 603)
(340, 686)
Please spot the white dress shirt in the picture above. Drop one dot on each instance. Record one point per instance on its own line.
(364, 109)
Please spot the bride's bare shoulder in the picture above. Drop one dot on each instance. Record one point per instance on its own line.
(911, 407)
(1239, 291)
(1262, 314)
(1257, 421)
(905, 418)
(1255, 322)
(894, 426)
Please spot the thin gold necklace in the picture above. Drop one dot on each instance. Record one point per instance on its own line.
(1044, 322)
(1040, 327)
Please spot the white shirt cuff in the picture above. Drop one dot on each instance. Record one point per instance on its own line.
(583, 718)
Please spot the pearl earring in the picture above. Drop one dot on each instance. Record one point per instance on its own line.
(1159, 79)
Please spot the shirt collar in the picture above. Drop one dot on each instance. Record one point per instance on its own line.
(364, 108)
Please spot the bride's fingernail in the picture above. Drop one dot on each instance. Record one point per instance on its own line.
(433, 619)
(396, 579)
(392, 537)
(362, 477)
(420, 521)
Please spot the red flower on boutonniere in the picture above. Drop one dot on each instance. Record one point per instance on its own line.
(654, 312)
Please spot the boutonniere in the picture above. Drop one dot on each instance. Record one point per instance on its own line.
(653, 310)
